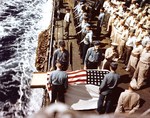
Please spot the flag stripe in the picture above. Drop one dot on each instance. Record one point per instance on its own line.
(76, 72)
(76, 76)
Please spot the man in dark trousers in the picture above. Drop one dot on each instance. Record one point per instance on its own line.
(93, 57)
(67, 21)
(62, 55)
(107, 86)
(87, 41)
(59, 83)
(100, 22)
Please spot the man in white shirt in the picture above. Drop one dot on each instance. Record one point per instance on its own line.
(67, 22)
(87, 41)
(146, 38)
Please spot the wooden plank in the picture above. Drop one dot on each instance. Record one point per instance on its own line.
(39, 80)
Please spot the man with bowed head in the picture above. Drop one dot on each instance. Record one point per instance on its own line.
(62, 55)
(59, 83)
(93, 57)
(107, 87)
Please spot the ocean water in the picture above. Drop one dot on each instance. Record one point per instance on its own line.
(20, 23)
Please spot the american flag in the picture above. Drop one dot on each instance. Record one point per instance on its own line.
(91, 76)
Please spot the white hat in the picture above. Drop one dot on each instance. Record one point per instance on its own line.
(114, 44)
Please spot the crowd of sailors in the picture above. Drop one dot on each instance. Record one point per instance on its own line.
(127, 24)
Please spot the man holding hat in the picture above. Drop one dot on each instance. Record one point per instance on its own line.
(62, 55)
(111, 55)
(93, 57)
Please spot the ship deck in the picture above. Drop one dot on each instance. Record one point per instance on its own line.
(75, 60)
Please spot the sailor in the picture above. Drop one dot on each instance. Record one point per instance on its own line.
(67, 22)
(100, 22)
(62, 55)
(87, 41)
(107, 87)
(93, 57)
(59, 83)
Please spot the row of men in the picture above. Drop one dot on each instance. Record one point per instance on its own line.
(132, 33)
(122, 21)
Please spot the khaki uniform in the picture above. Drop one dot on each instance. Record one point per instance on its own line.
(122, 42)
(135, 54)
(110, 55)
(141, 72)
(128, 102)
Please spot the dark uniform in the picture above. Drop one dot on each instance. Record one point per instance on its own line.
(59, 84)
(63, 57)
(106, 90)
(67, 21)
(93, 57)
(86, 42)
(100, 23)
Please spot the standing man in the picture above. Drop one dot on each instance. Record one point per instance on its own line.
(129, 47)
(111, 55)
(62, 55)
(143, 67)
(134, 57)
(87, 41)
(129, 101)
(96, 7)
(93, 57)
(100, 22)
(59, 83)
(67, 22)
(107, 87)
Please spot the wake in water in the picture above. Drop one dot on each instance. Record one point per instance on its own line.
(20, 23)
